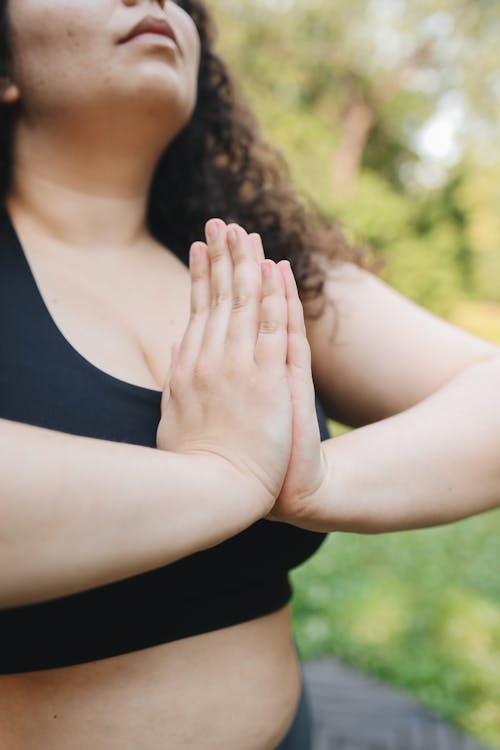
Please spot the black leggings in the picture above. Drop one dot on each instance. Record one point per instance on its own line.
(299, 736)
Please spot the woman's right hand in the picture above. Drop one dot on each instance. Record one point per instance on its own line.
(227, 395)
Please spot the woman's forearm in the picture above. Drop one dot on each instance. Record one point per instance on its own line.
(434, 463)
(77, 512)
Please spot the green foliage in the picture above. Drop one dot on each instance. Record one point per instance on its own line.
(312, 70)
(423, 239)
(420, 609)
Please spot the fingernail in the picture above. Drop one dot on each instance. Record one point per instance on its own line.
(212, 230)
(232, 238)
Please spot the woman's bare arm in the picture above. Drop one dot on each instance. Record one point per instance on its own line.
(430, 390)
(433, 464)
(378, 352)
(77, 512)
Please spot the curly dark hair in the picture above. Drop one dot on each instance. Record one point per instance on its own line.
(221, 167)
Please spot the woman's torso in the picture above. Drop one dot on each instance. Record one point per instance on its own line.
(233, 687)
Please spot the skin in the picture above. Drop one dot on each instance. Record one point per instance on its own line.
(105, 127)
(79, 131)
(95, 116)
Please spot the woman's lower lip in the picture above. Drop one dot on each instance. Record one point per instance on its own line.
(152, 37)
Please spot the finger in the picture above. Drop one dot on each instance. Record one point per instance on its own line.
(271, 346)
(221, 289)
(244, 321)
(174, 358)
(296, 322)
(299, 352)
(199, 270)
(257, 247)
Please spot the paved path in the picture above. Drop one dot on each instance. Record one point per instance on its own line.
(355, 712)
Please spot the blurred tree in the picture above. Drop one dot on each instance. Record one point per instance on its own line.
(388, 66)
(347, 92)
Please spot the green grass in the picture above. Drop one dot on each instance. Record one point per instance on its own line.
(419, 609)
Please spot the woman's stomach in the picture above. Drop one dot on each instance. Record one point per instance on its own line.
(236, 688)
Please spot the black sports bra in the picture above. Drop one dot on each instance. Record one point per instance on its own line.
(44, 381)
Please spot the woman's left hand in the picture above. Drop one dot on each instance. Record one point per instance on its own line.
(307, 468)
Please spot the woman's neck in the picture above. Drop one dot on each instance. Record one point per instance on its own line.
(83, 194)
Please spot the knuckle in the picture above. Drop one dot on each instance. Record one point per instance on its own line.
(239, 252)
(202, 374)
(268, 325)
(199, 273)
(198, 313)
(198, 278)
(241, 300)
(217, 253)
(219, 298)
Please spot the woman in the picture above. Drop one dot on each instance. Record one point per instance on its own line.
(144, 592)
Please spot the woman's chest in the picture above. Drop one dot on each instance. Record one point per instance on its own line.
(120, 314)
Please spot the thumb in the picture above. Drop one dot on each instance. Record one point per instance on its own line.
(174, 358)
(176, 348)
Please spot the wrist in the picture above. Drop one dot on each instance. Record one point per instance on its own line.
(243, 493)
(339, 503)
(315, 513)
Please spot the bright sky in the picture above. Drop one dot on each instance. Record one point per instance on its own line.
(439, 137)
